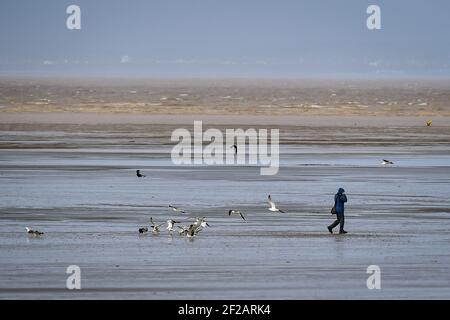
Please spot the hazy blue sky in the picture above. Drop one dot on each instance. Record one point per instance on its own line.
(253, 38)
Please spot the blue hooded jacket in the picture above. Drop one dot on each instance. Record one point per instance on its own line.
(339, 199)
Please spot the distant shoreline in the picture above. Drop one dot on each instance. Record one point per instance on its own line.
(252, 101)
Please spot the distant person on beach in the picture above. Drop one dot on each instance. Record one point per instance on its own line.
(339, 199)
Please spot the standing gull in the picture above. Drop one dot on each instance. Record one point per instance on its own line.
(273, 207)
(230, 212)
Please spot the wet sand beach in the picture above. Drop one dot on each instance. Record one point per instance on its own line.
(72, 175)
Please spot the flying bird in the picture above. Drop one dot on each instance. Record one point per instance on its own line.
(170, 224)
(273, 207)
(429, 123)
(176, 209)
(193, 230)
(190, 231)
(155, 227)
(34, 232)
(183, 230)
(139, 174)
(387, 162)
(230, 212)
(201, 222)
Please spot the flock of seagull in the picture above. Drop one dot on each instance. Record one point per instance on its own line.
(189, 231)
(196, 227)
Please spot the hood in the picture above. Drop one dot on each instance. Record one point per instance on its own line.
(341, 190)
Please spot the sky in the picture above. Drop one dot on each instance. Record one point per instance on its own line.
(227, 38)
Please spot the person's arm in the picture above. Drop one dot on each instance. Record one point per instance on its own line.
(344, 198)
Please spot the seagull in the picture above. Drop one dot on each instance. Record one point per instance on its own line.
(176, 209)
(190, 231)
(235, 148)
(170, 224)
(387, 162)
(155, 228)
(429, 123)
(183, 230)
(34, 232)
(143, 230)
(230, 212)
(273, 206)
(201, 222)
(139, 174)
(193, 230)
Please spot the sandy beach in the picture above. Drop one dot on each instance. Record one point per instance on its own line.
(71, 173)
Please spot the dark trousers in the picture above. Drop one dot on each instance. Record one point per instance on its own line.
(340, 220)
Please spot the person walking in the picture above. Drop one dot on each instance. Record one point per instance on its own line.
(339, 199)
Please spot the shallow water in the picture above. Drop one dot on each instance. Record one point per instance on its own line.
(90, 204)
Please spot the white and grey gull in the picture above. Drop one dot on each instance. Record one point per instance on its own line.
(273, 207)
(176, 209)
(155, 227)
(170, 224)
(236, 212)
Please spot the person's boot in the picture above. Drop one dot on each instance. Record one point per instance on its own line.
(329, 229)
(343, 232)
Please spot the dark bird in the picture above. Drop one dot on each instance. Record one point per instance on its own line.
(387, 162)
(139, 174)
(143, 230)
(230, 212)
